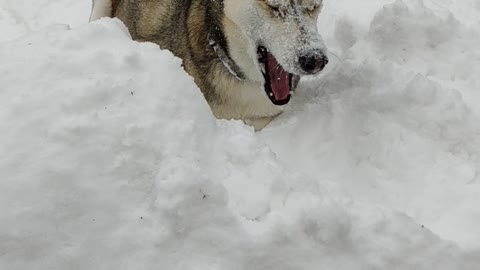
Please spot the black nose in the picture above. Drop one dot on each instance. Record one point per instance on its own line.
(313, 63)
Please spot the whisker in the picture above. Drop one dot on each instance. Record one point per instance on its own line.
(274, 69)
(334, 54)
(269, 58)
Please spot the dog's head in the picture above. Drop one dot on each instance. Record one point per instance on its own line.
(285, 36)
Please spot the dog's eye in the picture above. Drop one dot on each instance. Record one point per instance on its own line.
(313, 10)
(276, 10)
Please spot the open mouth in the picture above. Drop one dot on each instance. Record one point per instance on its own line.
(278, 82)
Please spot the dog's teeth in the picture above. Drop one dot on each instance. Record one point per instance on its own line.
(262, 67)
(271, 94)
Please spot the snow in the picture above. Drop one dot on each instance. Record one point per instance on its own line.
(111, 158)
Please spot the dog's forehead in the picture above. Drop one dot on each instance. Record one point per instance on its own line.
(294, 3)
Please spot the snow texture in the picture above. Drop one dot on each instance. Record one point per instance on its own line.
(111, 159)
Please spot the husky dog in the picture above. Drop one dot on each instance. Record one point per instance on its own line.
(246, 56)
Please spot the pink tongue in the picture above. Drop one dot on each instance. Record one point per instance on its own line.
(279, 79)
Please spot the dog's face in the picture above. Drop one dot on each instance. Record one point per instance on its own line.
(282, 38)
(284, 29)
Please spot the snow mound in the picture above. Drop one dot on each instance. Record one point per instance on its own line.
(396, 119)
(114, 161)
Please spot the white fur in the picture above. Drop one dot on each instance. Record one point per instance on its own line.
(100, 9)
(249, 98)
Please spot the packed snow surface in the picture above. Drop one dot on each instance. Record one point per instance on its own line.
(111, 159)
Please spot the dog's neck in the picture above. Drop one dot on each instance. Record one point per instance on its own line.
(218, 42)
(224, 56)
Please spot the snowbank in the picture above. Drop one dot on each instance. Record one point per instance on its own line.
(396, 120)
(112, 159)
